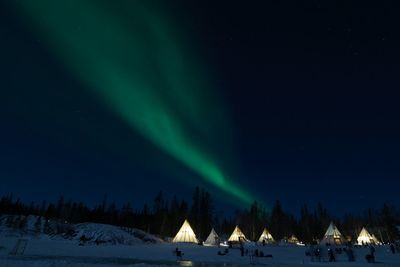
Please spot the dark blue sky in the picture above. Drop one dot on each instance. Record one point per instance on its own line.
(312, 90)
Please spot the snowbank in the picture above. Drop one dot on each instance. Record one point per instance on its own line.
(103, 233)
(35, 227)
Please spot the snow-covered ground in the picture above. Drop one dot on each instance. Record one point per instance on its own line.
(60, 253)
(130, 250)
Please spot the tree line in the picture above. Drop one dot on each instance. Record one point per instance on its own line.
(165, 216)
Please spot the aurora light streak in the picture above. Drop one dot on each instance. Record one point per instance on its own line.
(130, 57)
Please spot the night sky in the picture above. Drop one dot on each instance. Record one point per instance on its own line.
(289, 100)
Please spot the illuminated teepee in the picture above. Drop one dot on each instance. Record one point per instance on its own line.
(365, 238)
(185, 234)
(332, 236)
(212, 239)
(237, 235)
(293, 240)
(266, 237)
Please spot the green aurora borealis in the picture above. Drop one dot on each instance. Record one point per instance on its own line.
(133, 59)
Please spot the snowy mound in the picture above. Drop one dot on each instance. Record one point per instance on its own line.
(87, 233)
(104, 233)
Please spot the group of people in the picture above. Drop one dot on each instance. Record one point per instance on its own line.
(246, 252)
(319, 253)
(253, 253)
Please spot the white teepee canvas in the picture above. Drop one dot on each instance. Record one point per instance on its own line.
(185, 234)
(266, 237)
(365, 238)
(212, 239)
(293, 240)
(332, 236)
(237, 235)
